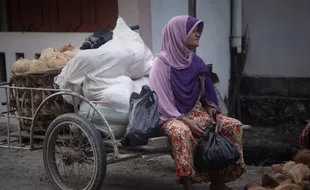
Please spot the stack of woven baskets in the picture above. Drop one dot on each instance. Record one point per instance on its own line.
(39, 73)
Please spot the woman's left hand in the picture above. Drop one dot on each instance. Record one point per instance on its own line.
(219, 123)
(219, 116)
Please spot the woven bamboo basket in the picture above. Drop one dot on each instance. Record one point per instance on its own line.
(21, 100)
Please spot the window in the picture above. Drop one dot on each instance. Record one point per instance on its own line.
(37, 55)
(19, 55)
(3, 77)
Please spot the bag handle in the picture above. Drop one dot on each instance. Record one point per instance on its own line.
(151, 98)
(152, 95)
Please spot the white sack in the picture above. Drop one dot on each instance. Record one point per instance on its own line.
(117, 119)
(137, 84)
(126, 54)
(113, 93)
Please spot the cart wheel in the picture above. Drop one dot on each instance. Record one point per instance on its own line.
(72, 142)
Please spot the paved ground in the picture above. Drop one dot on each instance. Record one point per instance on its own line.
(23, 169)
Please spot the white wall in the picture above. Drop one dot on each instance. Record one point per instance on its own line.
(214, 43)
(162, 12)
(138, 12)
(145, 22)
(129, 11)
(279, 37)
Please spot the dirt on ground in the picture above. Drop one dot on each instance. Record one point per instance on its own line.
(24, 169)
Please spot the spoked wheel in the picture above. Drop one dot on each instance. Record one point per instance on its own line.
(73, 153)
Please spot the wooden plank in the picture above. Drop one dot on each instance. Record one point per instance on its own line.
(150, 149)
(159, 141)
(123, 157)
(247, 128)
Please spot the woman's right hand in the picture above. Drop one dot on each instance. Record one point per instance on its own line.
(195, 127)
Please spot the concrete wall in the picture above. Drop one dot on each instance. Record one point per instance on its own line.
(214, 43)
(162, 11)
(279, 37)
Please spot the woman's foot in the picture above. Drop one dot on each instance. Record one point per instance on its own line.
(219, 186)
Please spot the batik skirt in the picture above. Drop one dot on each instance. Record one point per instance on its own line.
(184, 144)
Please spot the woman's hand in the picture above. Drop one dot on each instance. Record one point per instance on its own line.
(219, 116)
(195, 127)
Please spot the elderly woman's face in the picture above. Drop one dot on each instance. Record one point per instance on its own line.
(192, 41)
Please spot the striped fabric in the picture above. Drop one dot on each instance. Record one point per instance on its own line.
(304, 138)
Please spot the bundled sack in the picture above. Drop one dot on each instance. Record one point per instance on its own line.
(126, 54)
(21, 66)
(117, 119)
(68, 47)
(37, 66)
(302, 156)
(139, 83)
(143, 118)
(112, 98)
(49, 53)
(215, 151)
(113, 93)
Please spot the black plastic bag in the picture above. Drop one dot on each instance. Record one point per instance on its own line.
(143, 118)
(215, 151)
(97, 39)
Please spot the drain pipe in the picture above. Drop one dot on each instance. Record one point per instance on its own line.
(192, 11)
(192, 8)
(235, 45)
(237, 25)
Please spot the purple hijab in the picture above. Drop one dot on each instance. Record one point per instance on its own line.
(176, 70)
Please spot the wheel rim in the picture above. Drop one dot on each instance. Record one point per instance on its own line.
(72, 145)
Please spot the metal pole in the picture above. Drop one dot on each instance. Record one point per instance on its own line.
(192, 11)
(192, 8)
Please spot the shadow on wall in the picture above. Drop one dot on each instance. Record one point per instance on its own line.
(275, 101)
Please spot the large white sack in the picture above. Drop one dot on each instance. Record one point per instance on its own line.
(126, 54)
(117, 119)
(137, 84)
(113, 93)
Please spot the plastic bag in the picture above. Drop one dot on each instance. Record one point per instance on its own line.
(215, 151)
(143, 118)
(97, 39)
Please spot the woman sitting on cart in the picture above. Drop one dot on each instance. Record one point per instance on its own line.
(175, 78)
